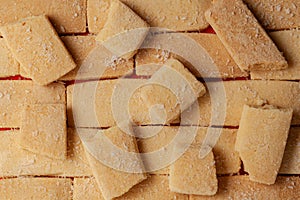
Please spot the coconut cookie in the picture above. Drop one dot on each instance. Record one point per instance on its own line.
(261, 141)
(35, 44)
(244, 38)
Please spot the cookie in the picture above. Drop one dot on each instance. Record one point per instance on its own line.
(9, 66)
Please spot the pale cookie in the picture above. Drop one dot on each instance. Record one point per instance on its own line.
(170, 91)
(191, 174)
(291, 159)
(240, 187)
(66, 16)
(41, 53)
(243, 36)
(80, 98)
(276, 15)
(36, 188)
(8, 65)
(44, 130)
(86, 188)
(111, 180)
(17, 162)
(123, 32)
(288, 42)
(227, 159)
(15, 94)
(261, 141)
(148, 61)
(239, 93)
(180, 16)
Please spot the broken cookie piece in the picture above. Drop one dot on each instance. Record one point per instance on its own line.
(35, 44)
(244, 38)
(124, 31)
(44, 130)
(261, 141)
(191, 174)
(170, 91)
(114, 160)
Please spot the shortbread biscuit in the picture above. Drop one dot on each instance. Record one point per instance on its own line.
(86, 188)
(8, 64)
(66, 16)
(44, 130)
(242, 92)
(276, 15)
(183, 16)
(191, 174)
(148, 61)
(102, 103)
(288, 42)
(36, 188)
(154, 187)
(291, 159)
(17, 162)
(261, 141)
(173, 88)
(112, 182)
(240, 187)
(15, 94)
(227, 159)
(35, 44)
(243, 37)
(123, 32)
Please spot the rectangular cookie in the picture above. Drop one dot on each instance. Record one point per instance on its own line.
(243, 36)
(103, 103)
(44, 130)
(180, 16)
(8, 64)
(288, 42)
(80, 47)
(154, 187)
(66, 16)
(276, 15)
(227, 159)
(35, 44)
(173, 88)
(191, 174)
(15, 94)
(291, 159)
(17, 162)
(115, 172)
(36, 188)
(147, 59)
(238, 93)
(261, 140)
(240, 187)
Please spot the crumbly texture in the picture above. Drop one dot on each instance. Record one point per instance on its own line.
(148, 61)
(276, 15)
(16, 161)
(191, 174)
(15, 94)
(261, 141)
(176, 89)
(86, 188)
(35, 44)
(36, 188)
(66, 16)
(240, 187)
(243, 36)
(291, 158)
(177, 16)
(44, 130)
(8, 64)
(288, 42)
(123, 32)
(112, 182)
